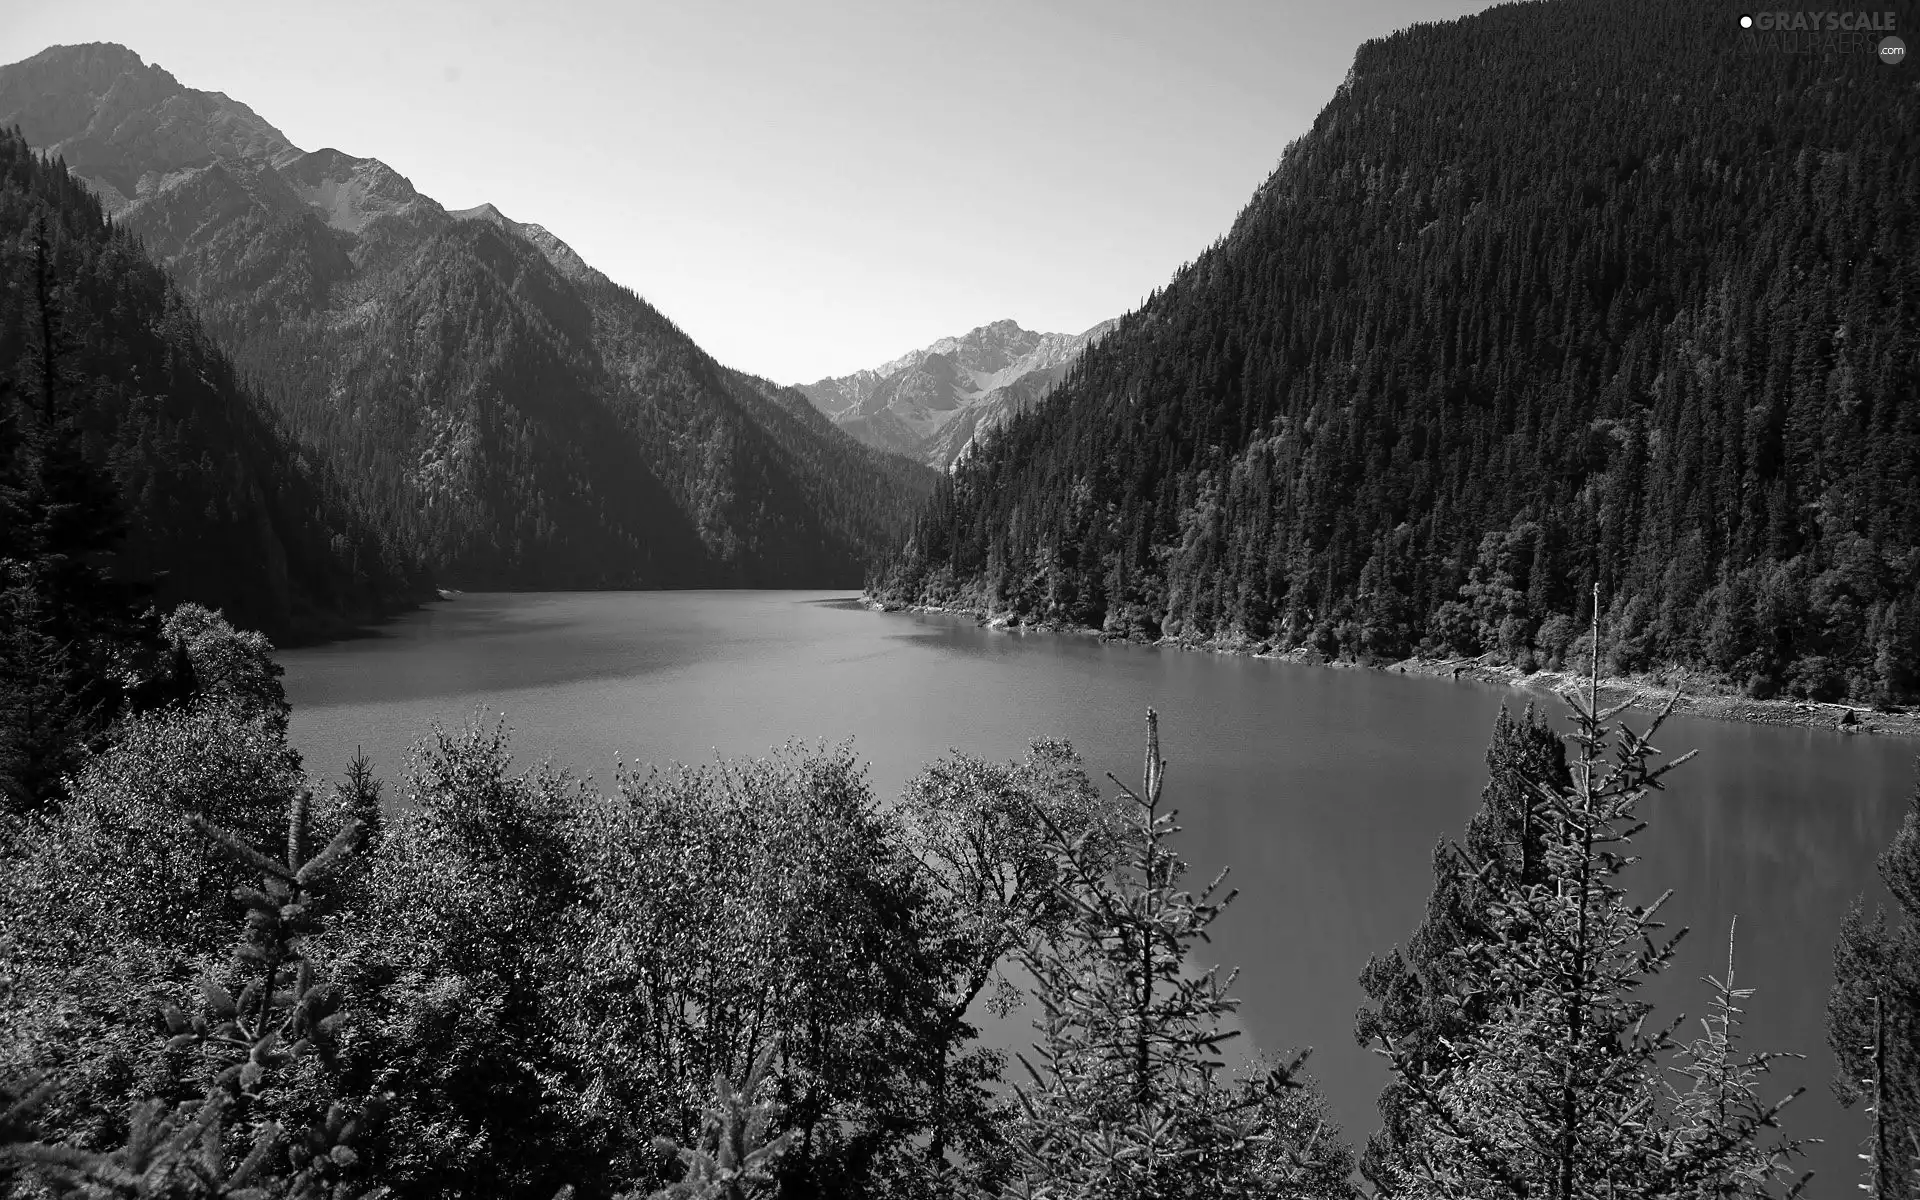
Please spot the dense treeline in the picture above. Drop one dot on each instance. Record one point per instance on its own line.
(220, 505)
(1556, 295)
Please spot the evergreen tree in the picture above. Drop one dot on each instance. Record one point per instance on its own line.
(69, 627)
(358, 797)
(737, 1150)
(1873, 1019)
(1427, 999)
(1130, 1098)
(1562, 1091)
(48, 710)
(75, 523)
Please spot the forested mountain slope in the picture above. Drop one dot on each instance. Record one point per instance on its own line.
(1553, 295)
(504, 414)
(224, 508)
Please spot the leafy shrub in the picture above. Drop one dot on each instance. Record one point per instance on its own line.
(1552, 640)
(743, 903)
(232, 1144)
(228, 664)
(451, 964)
(114, 899)
(980, 833)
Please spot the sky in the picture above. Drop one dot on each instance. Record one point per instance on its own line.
(805, 188)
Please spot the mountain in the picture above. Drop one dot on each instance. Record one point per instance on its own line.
(500, 412)
(223, 507)
(932, 403)
(1555, 296)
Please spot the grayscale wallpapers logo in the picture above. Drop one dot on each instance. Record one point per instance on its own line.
(1827, 32)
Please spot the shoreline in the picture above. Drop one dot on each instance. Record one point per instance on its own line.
(1701, 695)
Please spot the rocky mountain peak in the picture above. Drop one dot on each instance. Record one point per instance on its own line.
(557, 252)
(348, 192)
(481, 212)
(162, 156)
(90, 68)
(114, 118)
(932, 402)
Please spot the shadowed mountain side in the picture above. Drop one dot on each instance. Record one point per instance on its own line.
(502, 413)
(224, 508)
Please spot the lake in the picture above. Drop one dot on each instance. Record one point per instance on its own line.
(1324, 790)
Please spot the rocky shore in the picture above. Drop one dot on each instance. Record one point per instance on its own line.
(1700, 695)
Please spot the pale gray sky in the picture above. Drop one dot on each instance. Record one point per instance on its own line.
(806, 188)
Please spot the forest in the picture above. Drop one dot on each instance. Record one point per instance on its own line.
(1551, 296)
(223, 977)
(221, 504)
(1548, 299)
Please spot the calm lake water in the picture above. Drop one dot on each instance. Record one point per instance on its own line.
(1324, 790)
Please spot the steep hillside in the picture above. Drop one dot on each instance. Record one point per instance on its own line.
(1557, 295)
(224, 508)
(503, 414)
(931, 403)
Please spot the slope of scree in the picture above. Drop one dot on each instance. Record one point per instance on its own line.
(1550, 296)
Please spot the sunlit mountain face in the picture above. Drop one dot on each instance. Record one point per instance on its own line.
(934, 402)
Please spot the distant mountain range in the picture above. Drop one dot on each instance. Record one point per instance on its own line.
(932, 403)
(499, 411)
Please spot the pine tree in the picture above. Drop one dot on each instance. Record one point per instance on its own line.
(1130, 1098)
(48, 711)
(1562, 1093)
(1722, 1086)
(358, 797)
(1873, 1019)
(71, 630)
(13, 509)
(737, 1151)
(75, 521)
(1426, 999)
